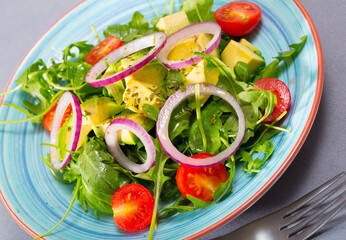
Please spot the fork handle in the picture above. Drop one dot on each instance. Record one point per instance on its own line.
(261, 229)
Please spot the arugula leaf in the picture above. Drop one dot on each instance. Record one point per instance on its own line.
(251, 165)
(241, 70)
(99, 180)
(272, 70)
(296, 47)
(260, 137)
(39, 80)
(227, 78)
(156, 173)
(180, 205)
(33, 82)
(212, 125)
(225, 39)
(152, 111)
(118, 30)
(155, 20)
(221, 192)
(83, 50)
(174, 81)
(179, 120)
(259, 100)
(137, 27)
(139, 22)
(198, 10)
(177, 127)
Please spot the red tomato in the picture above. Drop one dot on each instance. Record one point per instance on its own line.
(106, 46)
(48, 118)
(133, 207)
(282, 93)
(201, 182)
(238, 18)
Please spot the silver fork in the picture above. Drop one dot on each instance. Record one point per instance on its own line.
(300, 219)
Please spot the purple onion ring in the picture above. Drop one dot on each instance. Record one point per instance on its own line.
(185, 33)
(111, 138)
(177, 98)
(156, 40)
(66, 99)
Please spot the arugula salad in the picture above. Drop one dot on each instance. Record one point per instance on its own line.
(159, 112)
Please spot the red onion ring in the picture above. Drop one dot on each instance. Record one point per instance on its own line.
(157, 40)
(187, 32)
(177, 98)
(114, 147)
(66, 99)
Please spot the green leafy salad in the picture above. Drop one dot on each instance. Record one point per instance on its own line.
(135, 119)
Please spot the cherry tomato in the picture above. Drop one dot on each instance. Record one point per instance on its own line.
(106, 46)
(238, 18)
(48, 118)
(282, 93)
(201, 182)
(133, 207)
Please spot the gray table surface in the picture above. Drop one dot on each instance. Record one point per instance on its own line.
(320, 158)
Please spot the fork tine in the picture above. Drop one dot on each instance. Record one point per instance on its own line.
(301, 213)
(313, 228)
(300, 202)
(303, 223)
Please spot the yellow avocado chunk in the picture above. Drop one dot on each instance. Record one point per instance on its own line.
(199, 74)
(144, 85)
(173, 22)
(235, 52)
(195, 73)
(138, 93)
(154, 73)
(65, 134)
(116, 90)
(247, 44)
(98, 109)
(186, 48)
(126, 136)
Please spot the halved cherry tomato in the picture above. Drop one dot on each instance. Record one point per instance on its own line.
(282, 93)
(48, 118)
(106, 46)
(201, 182)
(238, 18)
(133, 207)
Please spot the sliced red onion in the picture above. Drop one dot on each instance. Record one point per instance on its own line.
(156, 40)
(66, 99)
(177, 98)
(111, 138)
(185, 33)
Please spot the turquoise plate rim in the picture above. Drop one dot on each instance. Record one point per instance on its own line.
(265, 187)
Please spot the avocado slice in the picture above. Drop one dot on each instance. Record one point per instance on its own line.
(125, 136)
(203, 40)
(65, 132)
(199, 74)
(116, 90)
(186, 48)
(138, 93)
(247, 44)
(173, 22)
(143, 86)
(98, 109)
(153, 73)
(235, 52)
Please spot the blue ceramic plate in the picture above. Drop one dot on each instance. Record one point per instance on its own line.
(37, 201)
